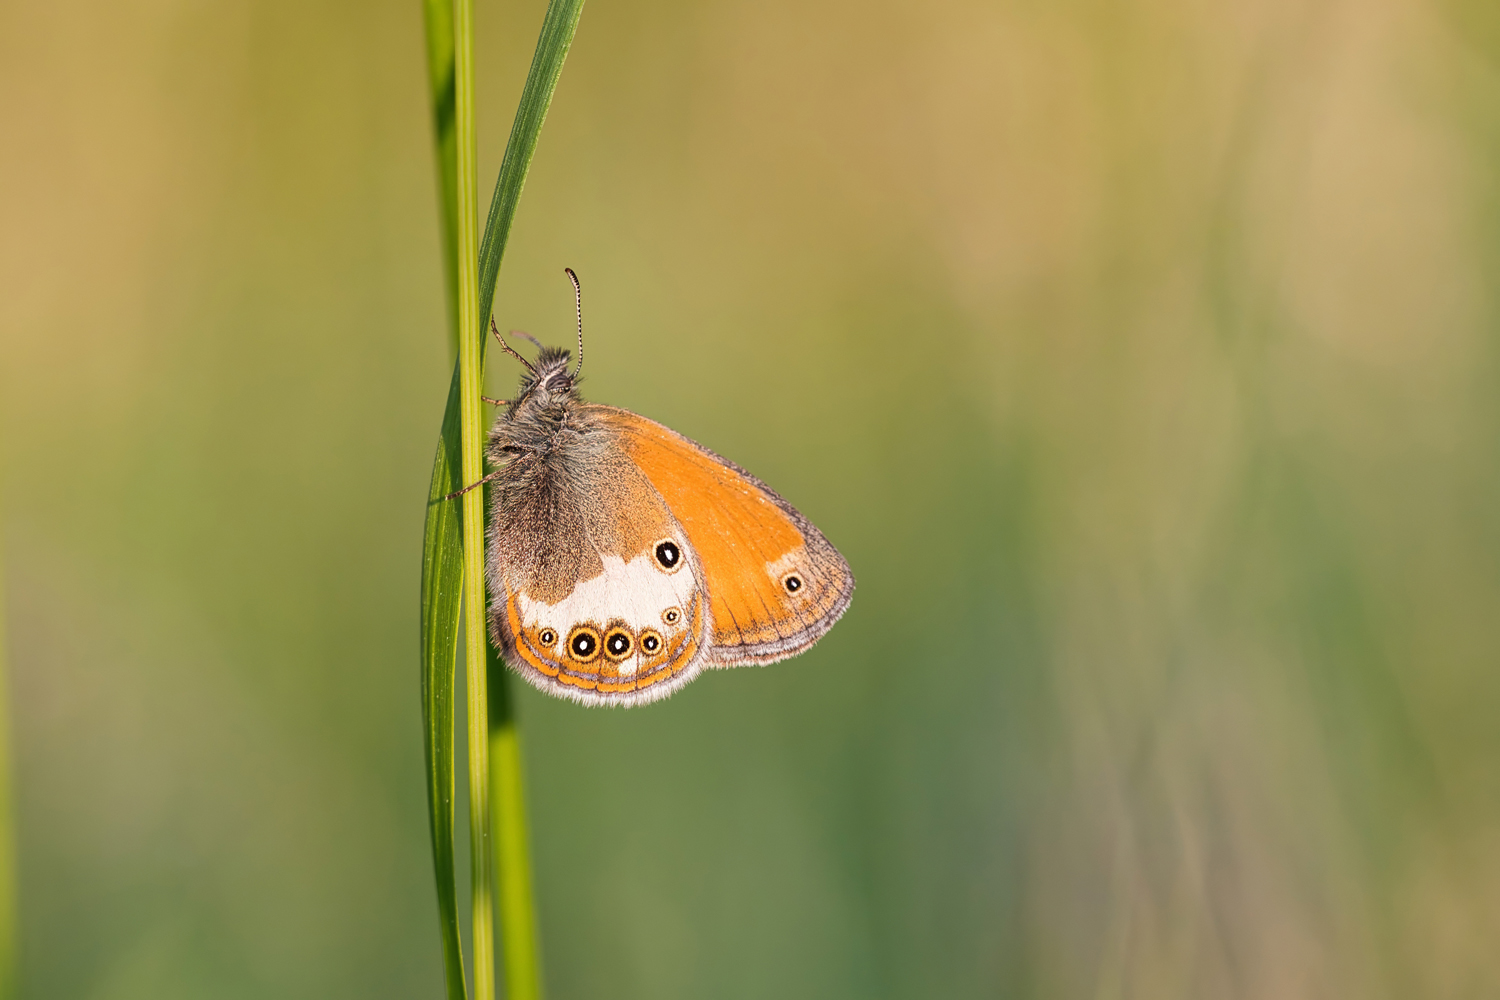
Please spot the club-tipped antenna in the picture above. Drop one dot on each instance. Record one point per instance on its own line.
(578, 306)
(508, 349)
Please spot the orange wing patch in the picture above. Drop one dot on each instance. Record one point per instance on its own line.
(774, 583)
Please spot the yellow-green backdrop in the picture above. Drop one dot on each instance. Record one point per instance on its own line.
(1141, 358)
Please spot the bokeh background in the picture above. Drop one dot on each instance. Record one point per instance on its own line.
(1142, 359)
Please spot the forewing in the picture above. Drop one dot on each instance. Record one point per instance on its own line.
(774, 584)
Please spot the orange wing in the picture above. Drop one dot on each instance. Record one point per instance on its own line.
(774, 584)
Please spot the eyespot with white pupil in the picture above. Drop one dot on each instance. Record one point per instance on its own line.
(650, 642)
(617, 644)
(792, 582)
(548, 637)
(668, 555)
(583, 644)
(671, 616)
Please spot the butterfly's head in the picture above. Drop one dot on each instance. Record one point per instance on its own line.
(547, 387)
(551, 383)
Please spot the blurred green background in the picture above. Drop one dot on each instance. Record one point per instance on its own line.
(1143, 360)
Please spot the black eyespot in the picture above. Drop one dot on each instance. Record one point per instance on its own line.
(548, 637)
(668, 554)
(617, 644)
(583, 644)
(650, 642)
(792, 583)
(671, 616)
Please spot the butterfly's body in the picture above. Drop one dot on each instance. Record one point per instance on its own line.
(623, 558)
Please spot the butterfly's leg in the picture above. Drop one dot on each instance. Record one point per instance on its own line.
(495, 402)
(508, 349)
(459, 493)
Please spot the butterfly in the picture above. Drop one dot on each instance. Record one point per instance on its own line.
(623, 559)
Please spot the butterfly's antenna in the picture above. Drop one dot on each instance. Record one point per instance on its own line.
(508, 349)
(523, 333)
(578, 305)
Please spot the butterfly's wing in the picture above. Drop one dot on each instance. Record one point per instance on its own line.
(773, 584)
(627, 558)
(580, 604)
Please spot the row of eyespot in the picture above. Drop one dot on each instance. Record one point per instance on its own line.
(583, 642)
(671, 616)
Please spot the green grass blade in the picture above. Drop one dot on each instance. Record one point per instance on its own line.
(442, 553)
(443, 569)
(512, 854)
(442, 546)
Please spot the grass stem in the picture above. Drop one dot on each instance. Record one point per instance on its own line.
(518, 930)
(471, 379)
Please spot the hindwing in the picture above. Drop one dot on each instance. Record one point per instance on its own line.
(581, 602)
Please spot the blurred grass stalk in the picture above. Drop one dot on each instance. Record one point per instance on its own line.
(472, 272)
(438, 19)
(8, 929)
(520, 951)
